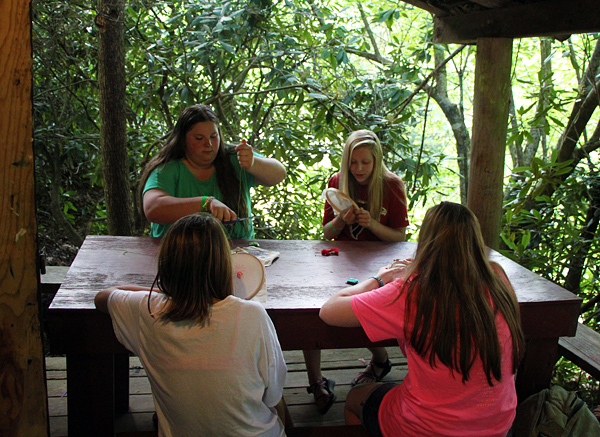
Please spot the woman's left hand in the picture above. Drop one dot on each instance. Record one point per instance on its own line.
(363, 218)
(393, 272)
(245, 155)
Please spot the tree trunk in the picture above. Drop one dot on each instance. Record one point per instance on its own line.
(588, 234)
(113, 129)
(23, 397)
(455, 117)
(490, 117)
(538, 130)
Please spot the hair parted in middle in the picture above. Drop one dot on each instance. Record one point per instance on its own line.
(349, 185)
(449, 287)
(175, 148)
(194, 268)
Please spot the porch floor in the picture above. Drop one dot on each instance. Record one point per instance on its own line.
(342, 365)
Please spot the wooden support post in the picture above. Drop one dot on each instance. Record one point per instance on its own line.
(490, 119)
(23, 398)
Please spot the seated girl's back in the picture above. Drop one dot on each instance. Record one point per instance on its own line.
(213, 360)
(206, 380)
(434, 400)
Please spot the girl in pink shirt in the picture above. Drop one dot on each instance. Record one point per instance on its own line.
(456, 318)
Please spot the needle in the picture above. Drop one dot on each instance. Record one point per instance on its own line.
(233, 222)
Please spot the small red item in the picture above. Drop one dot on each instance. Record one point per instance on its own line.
(328, 252)
(325, 252)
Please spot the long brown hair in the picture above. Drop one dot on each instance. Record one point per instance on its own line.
(175, 148)
(194, 268)
(349, 185)
(449, 288)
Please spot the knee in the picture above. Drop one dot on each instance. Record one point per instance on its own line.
(353, 408)
(355, 400)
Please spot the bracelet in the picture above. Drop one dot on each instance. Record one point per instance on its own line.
(381, 284)
(333, 227)
(205, 202)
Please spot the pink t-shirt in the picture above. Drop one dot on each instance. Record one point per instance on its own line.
(394, 213)
(435, 401)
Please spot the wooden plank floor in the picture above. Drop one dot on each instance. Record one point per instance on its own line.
(342, 365)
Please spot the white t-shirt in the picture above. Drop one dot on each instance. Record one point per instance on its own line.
(222, 379)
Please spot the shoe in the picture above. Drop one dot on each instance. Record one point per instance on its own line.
(374, 372)
(324, 395)
(155, 421)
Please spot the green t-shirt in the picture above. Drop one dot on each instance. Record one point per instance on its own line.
(177, 180)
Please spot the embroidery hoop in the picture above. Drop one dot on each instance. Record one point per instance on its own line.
(338, 200)
(248, 274)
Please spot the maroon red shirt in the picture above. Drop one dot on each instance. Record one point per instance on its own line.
(394, 213)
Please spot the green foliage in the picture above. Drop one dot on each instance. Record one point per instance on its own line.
(546, 234)
(570, 377)
(294, 79)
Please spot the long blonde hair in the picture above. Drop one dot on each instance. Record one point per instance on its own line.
(454, 293)
(349, 185)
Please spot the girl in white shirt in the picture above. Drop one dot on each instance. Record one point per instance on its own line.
(214, 361)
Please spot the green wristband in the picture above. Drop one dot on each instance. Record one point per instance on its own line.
(381, 284)
(333, 227)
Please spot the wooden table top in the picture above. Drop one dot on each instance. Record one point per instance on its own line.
(301, 278)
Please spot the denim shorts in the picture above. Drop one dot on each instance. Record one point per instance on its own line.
(370, 410)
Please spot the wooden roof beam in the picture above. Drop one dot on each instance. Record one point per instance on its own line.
(425, 5)
(555, 18)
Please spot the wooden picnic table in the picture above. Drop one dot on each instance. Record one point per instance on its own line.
(298, 283)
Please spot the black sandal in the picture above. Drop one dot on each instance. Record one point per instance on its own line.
(324, 400)
(374, 372)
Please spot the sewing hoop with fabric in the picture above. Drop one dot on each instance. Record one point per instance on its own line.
(338, 200)
(248, 274)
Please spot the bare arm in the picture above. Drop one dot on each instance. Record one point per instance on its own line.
(339, 222)
(164, 209)
(337, 311)
(266, 171)
(101, 299)
(383, 232)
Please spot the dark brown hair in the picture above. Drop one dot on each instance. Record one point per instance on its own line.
(454, 294)
(194, 268)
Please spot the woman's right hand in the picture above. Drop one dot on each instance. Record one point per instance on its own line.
(349, 216)
(220, 211)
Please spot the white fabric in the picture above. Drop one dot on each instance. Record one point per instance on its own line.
(222, 379)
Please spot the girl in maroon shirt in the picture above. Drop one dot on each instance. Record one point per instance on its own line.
(382, 216)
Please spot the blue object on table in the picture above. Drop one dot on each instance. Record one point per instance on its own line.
(352, 281)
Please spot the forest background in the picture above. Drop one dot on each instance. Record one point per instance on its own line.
(295, 77)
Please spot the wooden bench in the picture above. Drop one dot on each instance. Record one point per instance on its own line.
(327, 431)
(582, 350)
(301, 431)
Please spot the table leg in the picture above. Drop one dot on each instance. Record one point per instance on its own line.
(121, 364)
(535, 371)
(90, 394)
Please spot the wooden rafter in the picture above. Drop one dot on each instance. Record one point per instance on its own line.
(556, 18)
